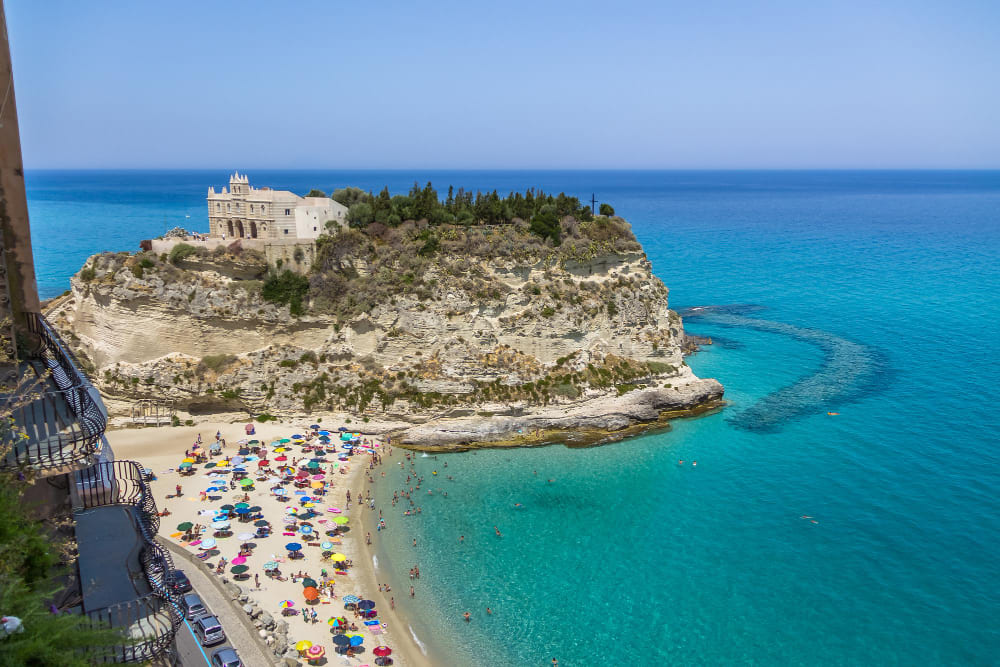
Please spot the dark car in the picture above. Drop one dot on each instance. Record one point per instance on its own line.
(208, 630)
(181, 583)
(193, 606)
(226, 657)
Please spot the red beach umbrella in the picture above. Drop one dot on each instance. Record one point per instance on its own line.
(382, 651)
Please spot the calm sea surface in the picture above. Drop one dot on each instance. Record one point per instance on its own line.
(875, 295)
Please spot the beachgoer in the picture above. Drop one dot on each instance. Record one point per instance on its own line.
(489, 612)
(412, 592)
(461, 538)
(467, 616)
(178, 490)
(497, 531)
(392, 603)
(694, 463)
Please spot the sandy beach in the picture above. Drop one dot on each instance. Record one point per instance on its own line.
(163, 449)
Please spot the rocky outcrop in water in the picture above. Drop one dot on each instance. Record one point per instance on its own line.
(471, 342)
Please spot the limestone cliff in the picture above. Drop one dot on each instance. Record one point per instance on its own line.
(470, 331)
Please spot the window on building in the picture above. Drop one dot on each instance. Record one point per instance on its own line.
(286, 231)
(228, 207)
(251, 208)
(288, 211)
(218, 206)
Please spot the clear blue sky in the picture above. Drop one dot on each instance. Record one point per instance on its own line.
(623, 84)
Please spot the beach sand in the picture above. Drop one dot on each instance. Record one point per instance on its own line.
(162, 449)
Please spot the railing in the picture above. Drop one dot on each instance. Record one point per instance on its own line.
(64, 424)
(152, 620)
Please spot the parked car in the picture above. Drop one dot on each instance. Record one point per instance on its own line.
(208, 630)
(181, 583)
(226, 657)
(193, 607)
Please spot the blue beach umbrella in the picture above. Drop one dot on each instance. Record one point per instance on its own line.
(293, 546)
(326, 546)
(341, 641)
(366, 604)
(324, 433)
(314, 427)
(357, 640)
(351, 599)
(305, 530)
(243, 510)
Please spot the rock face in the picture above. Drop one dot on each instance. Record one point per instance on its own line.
(480, 348)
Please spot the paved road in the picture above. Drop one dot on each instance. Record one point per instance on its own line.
(190, 653)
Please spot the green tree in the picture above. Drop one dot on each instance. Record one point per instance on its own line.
(316, 193)
(607, 209)
(545, 223)
(349, 196)
(360, 215)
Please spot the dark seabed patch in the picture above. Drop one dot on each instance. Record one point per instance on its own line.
(850, 370)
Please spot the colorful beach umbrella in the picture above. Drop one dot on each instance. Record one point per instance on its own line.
(315, 652)
(207, 543)
(305, 530)
(351, 599)
(326, 546)
(285, 604)
(270, 565)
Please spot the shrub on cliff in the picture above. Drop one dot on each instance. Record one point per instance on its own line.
(287, 288)
(181, 251)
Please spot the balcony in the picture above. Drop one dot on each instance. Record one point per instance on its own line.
(62, 414)
(126, 577)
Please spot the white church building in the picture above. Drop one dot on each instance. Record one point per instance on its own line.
(246, 212)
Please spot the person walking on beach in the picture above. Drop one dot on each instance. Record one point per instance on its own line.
(392, 603)
(412, 592)
(178, 490)
(256, 581)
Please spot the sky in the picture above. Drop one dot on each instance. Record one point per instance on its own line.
(629, 84)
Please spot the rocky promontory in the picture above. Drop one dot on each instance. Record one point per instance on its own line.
(462, 334)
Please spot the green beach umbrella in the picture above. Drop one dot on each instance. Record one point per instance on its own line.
(341, 520)
(246, 482)
(239, 569)
(307, 582)
(210, 464)
(187, 525)
(241, 506)
(227, 507)
(284, 441)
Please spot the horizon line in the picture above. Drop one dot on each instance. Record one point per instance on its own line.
(513, 169)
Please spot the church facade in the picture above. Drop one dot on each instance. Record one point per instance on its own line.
(245, 212)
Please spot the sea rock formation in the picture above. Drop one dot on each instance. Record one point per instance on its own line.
(470, 343)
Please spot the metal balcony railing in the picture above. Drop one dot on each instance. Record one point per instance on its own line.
(150, 621)
(63, 418)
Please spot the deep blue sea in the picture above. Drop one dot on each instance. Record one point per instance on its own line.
(875, 295)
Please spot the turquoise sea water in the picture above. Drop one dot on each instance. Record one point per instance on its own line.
(871, 294)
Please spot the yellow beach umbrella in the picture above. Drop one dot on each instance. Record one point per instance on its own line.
(317, 485)
(338, 558)
(303, 645)
(188, 460)
(280, 449)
